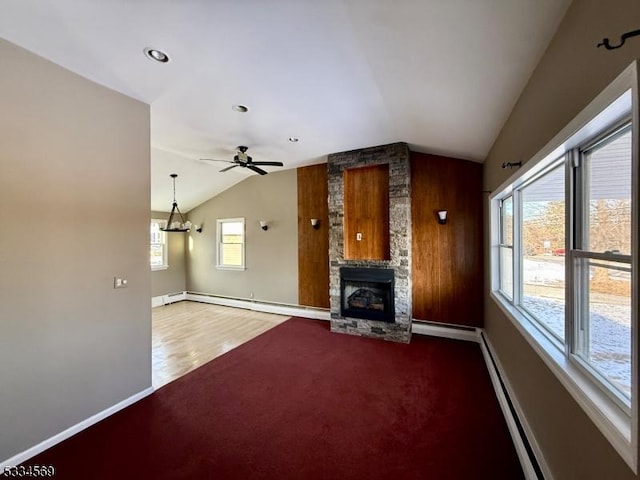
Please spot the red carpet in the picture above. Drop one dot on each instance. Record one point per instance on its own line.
(299, 402)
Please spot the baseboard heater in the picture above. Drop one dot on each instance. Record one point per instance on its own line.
(514, 414)
(260, 306)
(167, 299)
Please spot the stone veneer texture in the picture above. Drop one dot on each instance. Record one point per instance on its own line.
(396, 155)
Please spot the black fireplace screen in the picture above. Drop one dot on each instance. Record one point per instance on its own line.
(367, 293)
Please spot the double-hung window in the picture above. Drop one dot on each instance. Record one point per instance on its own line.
(601, 260)
(230, 234)
(158, 245)
(564, 259)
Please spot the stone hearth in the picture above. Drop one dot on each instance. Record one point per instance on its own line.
(396, 155)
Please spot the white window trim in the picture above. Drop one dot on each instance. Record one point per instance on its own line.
(620, 428)
(165, 253)
(219, 223)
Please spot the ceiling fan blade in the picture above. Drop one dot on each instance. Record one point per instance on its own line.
(273, 164)
(257, 170)
(214, 160)
(228, 168)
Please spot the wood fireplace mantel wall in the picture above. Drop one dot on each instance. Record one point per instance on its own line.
(313, 244)
(447, 259)
(391, 161)
(366, 212)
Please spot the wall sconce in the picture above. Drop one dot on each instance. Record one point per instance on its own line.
(263, 225)
(442, 217)
(315, 223)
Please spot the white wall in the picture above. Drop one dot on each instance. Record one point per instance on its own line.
(74, 182)
(271, 256)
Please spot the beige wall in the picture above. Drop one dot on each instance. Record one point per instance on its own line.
(271, 256)
(74, 180)
(571, 73)
(173, 279)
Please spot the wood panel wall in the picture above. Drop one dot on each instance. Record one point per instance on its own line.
(313, 245)
(447, 259)
(366, 212)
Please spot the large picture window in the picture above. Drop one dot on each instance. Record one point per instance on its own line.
(231, 243)
(564, 260)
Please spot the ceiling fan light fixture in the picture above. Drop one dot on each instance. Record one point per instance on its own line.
(241, 159)
(240, 108)
(156, 55)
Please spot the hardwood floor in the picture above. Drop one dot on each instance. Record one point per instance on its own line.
(186, 335)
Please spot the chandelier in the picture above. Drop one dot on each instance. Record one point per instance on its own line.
(176, 223)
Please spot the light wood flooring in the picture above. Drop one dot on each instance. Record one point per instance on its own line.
(186, 335)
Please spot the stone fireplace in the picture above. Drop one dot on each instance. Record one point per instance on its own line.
(372, 297)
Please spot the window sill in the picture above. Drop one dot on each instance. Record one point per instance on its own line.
(160, 267)
(612, 422)
(225, 267)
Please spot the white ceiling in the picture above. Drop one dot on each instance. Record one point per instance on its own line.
(339, 74)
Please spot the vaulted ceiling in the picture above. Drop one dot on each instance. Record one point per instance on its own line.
(442, 76)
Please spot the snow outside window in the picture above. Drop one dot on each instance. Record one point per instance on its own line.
(542, 255)
(602, 261)
(564, 260)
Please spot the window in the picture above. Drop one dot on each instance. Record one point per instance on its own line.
(158, 245)
(564, 260)
(506, 246)
(602, 261)
(231, 243)
(543, 246)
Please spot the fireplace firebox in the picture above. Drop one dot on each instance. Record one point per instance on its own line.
(367, 293)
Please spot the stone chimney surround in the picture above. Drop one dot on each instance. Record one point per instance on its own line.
(396, 155)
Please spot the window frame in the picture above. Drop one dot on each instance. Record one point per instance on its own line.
(618, 422)
(220, 244)
(165, 249)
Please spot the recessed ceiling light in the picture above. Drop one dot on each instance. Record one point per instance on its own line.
(240, 108)
(294, 139)
(156, 55)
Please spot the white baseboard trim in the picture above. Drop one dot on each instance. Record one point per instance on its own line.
(167, 299)
(69, 432)
(498, 379)
(290, 310)
(467, 334)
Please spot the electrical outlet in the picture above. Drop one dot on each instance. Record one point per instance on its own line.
(359, 237)
(119, 282)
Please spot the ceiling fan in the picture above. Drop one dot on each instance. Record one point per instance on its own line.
(241, 159)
